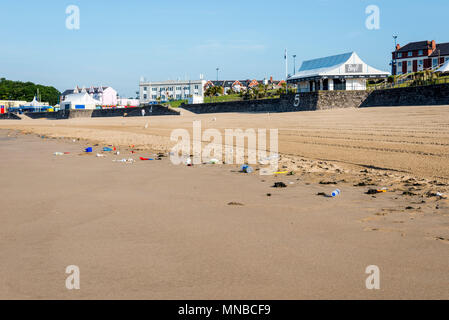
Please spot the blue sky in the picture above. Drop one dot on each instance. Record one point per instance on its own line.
(120, 41)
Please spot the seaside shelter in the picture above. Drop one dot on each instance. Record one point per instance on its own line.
(79, 101)
(341, 72)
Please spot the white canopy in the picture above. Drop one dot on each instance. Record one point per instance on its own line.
(343, 65)
(444, 68)
(82, 98)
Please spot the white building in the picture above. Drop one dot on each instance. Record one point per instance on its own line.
(79, 101)
(106, 95)
(341, 72)
(170, 90)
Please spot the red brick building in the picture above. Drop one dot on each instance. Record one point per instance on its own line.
(419, 56)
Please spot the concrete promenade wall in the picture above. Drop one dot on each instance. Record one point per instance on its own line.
(290, 103)
(411, 96)
(9, 116)
(156, 110)
(322, 100)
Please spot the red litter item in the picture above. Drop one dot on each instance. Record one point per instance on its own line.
(145, 159)
(66, 152)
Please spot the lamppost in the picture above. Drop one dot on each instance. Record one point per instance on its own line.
(218, 69)
(294, 64)
(394, 61)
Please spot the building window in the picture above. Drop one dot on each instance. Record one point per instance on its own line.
(145, 88)
(400, 55)
(145, 96)
(410, 53)
(421, 52)
(196, 87)
(154, 97)
(154, 89)
(400, 64)
(435, 62)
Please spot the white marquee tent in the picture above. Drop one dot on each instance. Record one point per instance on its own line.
(79, 101)
(341, 72)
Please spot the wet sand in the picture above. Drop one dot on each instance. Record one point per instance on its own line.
(152, 230)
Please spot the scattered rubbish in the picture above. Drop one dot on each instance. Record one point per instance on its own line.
(279, 185)
(124, 160)
(246, 169)
(117, 153)
(281, 172)
(214, 161)
(106, 149)
(327, 182)
(409, 208)
(336, 193)
(188, 162)
(376, 191)
(99, 155)
(88, 149)
(235, 204)
(66, 152)
(146, 159)
(268, 194)
(291, 173)
(58, 153)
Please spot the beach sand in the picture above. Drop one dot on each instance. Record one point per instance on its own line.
(153, 230)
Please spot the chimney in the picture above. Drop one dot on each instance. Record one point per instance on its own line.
(434, 45)
(398, 46)
(271, 79)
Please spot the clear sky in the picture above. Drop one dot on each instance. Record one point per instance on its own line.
(120, 41)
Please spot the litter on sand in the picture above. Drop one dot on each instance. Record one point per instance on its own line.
(146, 159)
(246, 169)
(279, 185)
(335, 193)
(124, 160)
(281, 172)
(376, 191)
(58, 153)
(89, 150)
(99, 155)
(214, 161)
(107, 149)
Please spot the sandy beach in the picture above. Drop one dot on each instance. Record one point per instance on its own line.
(153, 230)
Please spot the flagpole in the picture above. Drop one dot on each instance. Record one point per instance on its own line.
(286, 65)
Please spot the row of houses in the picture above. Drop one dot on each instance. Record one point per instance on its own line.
(94, 97)
(243, 85)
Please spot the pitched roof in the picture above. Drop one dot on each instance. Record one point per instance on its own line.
(443, 50)
(71, 91)
(325, 62)
(333, 66)
(413, 46)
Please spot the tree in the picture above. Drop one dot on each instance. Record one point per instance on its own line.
(26, 91)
